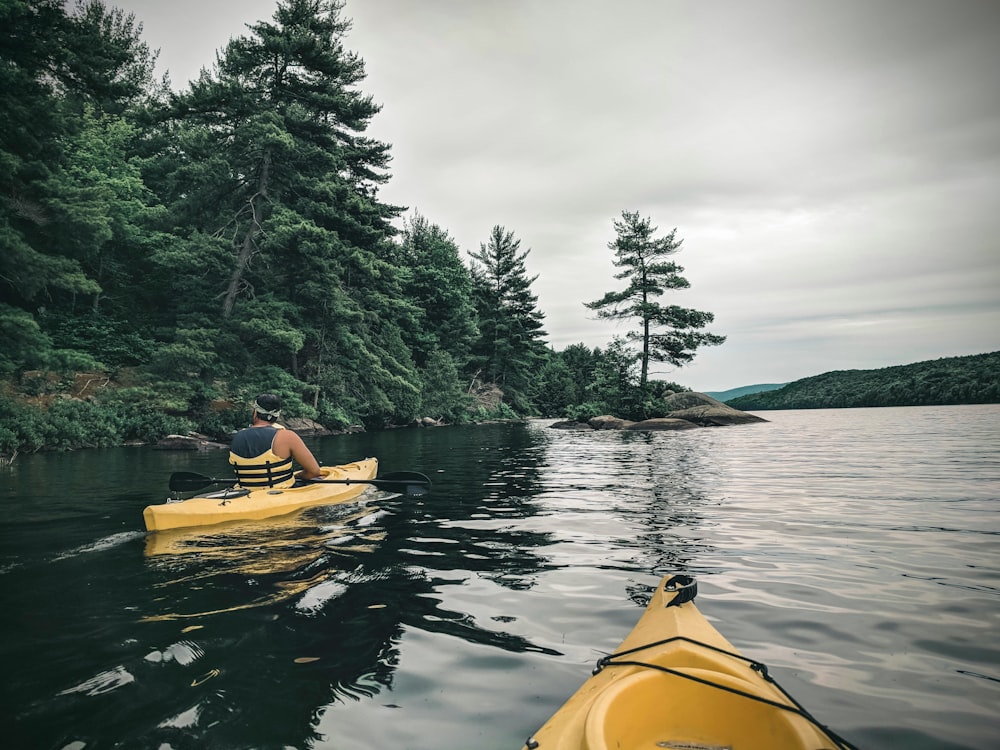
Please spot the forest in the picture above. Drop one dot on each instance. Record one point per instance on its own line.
(169, 254)
(951, 380)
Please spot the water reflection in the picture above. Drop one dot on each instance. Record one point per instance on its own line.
(282, 558)
(463, 618)
(649, 493)
(325, 596)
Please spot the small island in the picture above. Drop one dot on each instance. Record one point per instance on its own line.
(684, 411)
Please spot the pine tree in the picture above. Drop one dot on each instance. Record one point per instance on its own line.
(511, 347)
(643, 258)
(440, 286)
(71, 202)
(58, 72)
(279, 185)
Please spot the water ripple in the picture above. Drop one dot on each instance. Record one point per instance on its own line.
(854, 552)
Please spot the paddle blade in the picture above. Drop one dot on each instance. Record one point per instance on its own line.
(411, 483)
(416, 490)
(406, 476)
(187, 481)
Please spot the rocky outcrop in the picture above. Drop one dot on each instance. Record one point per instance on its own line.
(306, 427)
(485, 396)
(608, 422)
(706, 411)
(190, 442)
(661, 424)
(685, 411)
(194, 441)
(570, 424)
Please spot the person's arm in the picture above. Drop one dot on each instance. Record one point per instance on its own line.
(301, 453)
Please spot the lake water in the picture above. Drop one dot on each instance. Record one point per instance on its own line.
(855, 552)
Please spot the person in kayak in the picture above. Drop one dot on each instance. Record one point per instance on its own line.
(262, 453)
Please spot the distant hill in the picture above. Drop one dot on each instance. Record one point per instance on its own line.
(745, 390)
(952, 380)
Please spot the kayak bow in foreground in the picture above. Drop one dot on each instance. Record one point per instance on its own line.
(676, 682)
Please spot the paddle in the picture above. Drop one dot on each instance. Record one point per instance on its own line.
(408, 482)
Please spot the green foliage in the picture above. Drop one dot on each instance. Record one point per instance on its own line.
(334, 417)
(148, 413)
(501, 411)
(294, 394)
(68, 424)
(442, 395)
(72, 424)
(568, 379)
(103, 338)
(146, 425)
(191, 355)
(267, 164)
(557, 390)
(952, 380)
(614, 386)
(510, 349)
(72, 360)
(21, 427)
(615, 379)
(9, 441)
(25, 345)
(586, 411)
(220, 424)
(667, 333)
(65, 77)
(266, 330)
(440, 287)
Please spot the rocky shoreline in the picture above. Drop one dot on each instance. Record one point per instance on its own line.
(687, 411)
(194, 441)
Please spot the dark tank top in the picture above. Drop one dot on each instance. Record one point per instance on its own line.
(253, 441)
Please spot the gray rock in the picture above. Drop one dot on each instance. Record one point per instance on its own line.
(662, 423)
(609, 422)
(686, 410)
(187, 443)
(706, 411)
(306, 427)
(570, 424)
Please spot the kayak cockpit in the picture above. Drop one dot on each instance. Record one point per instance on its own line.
(676, 682)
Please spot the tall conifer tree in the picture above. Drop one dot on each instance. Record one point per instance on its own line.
(58, 73)
(667, 333)
(511, 348)
(281, 186)
(440, 285)
(71, 203)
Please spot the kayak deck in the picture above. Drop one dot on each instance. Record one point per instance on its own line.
(242, 505)
(676, 682)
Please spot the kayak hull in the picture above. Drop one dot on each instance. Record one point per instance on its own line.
(236, 505)
(635, 702)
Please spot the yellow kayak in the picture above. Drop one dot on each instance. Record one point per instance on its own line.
(675, 682)
(244, 505)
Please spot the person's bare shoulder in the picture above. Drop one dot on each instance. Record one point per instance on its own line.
(285, 440)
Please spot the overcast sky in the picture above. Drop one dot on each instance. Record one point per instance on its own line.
(833, 166)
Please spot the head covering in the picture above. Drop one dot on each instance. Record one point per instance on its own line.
(267, 406)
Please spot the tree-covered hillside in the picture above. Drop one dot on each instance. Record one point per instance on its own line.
(166, 255)
(952, 380)
(744, 390)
